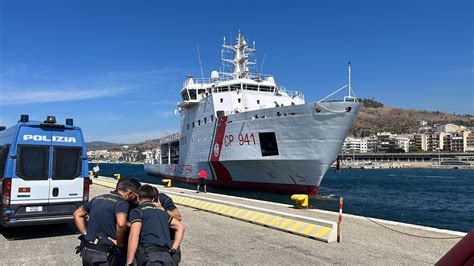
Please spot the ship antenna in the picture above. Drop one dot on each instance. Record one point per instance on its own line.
(199, 57)
(349, 70)
(263, 62)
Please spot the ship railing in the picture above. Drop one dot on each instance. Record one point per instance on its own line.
(252, 76)
(170, 138)
(292, 94)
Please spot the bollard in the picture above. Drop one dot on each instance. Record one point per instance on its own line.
(339, 221)
(117, 176)
(167, 182)
(301, 201)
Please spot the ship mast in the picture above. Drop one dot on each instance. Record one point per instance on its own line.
(240, 62)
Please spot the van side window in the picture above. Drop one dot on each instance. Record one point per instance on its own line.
(3, 158)
(32, 162)
(67, 162)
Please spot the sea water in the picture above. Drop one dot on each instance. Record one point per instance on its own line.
(441, 198)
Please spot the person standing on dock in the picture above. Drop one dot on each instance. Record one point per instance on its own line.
(202, 176)
(103, 233)
(96, 170)
(149, 241)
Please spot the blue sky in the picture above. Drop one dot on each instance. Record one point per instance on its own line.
(116, 67)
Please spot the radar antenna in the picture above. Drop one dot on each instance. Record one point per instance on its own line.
(240, 62)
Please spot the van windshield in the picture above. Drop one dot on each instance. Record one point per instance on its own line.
(67, 162)
(32, 162)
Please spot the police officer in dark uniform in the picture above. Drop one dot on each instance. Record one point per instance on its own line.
(103, 234)
(167, 203)
(149, 241)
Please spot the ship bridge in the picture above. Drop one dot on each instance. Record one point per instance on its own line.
(239, 80)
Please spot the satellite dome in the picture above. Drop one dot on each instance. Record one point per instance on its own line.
(214, 75)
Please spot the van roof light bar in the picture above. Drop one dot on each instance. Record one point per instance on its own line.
(51, 119)
(24, 118)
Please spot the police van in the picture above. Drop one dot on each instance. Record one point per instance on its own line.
(43, 172)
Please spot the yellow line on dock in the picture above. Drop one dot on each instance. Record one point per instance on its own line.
(255, 217)
(238, 213)
(296, 226)
(285, 223)
(274, 221)
(322, 232)
(308, 229)
(265, 218)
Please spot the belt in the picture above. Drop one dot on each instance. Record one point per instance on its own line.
(106, 249)
(151, 249)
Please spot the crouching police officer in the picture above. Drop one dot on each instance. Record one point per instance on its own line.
(106, 226)
(167, 203)
(149, 241)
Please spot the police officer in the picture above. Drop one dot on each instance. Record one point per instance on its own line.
(167, 203)
(106, 225)
(149, 240)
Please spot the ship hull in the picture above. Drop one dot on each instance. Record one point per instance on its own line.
(233, 150)
(233, 181)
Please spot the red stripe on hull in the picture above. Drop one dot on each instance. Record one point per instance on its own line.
(268, 187)
(222, 174)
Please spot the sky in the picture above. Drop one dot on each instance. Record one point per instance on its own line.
(117, 67)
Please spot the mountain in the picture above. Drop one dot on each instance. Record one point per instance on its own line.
(376, 117)
(102, 145)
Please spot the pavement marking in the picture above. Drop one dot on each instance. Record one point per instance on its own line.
(256, 216)
(265, 218)
(285, 223)
(293, 225)
(308, 229)
(322, 232)
(275, 220)
(296, 226)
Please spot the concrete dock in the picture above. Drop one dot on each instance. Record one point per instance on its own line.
(215, 239)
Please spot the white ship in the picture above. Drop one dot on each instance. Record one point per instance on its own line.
(248, 132)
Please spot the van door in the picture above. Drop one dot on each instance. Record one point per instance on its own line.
(66, 179)
(30, 183)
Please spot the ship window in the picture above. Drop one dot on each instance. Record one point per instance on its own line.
(184, 95)
(192, 94)
(32, 162)
(265, 88)
(3, 158)
(193, 124)
(199, 122)
(250, 87)
(239, 100)
(225, 89)
(188, 126)
(67, 162)
(201, 91)
(268, 143)
(222, 100)
(258, 101)
(212, 117)
(235, 87)
(205, 120)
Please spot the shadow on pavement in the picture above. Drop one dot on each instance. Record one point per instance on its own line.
(38, 231)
